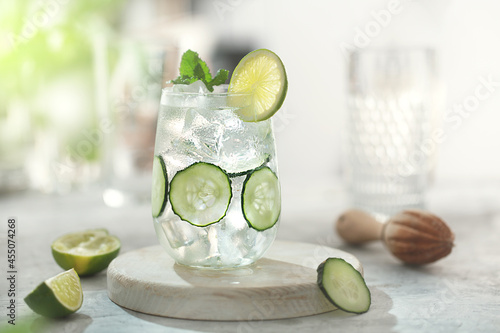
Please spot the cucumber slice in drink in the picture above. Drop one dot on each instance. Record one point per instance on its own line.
(200, 194)
(260, 199)
(343, 285)
(159, 190)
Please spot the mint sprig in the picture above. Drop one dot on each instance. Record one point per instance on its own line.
(193, 69)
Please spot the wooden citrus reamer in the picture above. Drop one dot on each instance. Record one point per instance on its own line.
(413, 236)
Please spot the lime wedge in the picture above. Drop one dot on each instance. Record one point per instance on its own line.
(58, 296)
(88, 252)
(262, 75)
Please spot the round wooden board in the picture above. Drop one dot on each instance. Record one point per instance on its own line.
(280, 285)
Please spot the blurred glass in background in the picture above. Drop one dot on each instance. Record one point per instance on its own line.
(128, 148)
(391, 137)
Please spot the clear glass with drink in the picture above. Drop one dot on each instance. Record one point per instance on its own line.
(216, 198)
(214, 162)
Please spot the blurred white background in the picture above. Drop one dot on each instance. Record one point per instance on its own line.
(312, 37)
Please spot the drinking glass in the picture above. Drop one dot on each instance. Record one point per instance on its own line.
(390, 149)
(221, 180)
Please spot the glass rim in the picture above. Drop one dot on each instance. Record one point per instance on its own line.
(169, 90)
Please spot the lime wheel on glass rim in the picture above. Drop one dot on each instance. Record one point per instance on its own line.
(262, 75)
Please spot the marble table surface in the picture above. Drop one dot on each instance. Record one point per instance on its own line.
(458, 293)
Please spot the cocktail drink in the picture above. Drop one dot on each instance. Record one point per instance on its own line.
(216, 196)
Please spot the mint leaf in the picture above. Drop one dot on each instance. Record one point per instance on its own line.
(202, 72)
(192, 65)
(183, 79)
(220, 78)
(192, 69)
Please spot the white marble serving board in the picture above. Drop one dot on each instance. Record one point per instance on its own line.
(280, 285)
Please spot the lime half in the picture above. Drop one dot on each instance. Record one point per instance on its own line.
(262, 75)
(58, 296)
(88, 252)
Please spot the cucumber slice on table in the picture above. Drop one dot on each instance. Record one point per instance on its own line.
(343, 285)
(159, 189)
(200, 194)
(260, 199)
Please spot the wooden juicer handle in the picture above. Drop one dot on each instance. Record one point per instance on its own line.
(358, 227)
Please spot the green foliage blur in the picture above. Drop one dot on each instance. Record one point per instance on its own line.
(42, 41)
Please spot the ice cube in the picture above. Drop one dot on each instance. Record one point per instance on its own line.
(245, 146)
(227, 234)
(201, 137)
(194, 120)
(196, 252)
(195, 87)
(177, 233)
